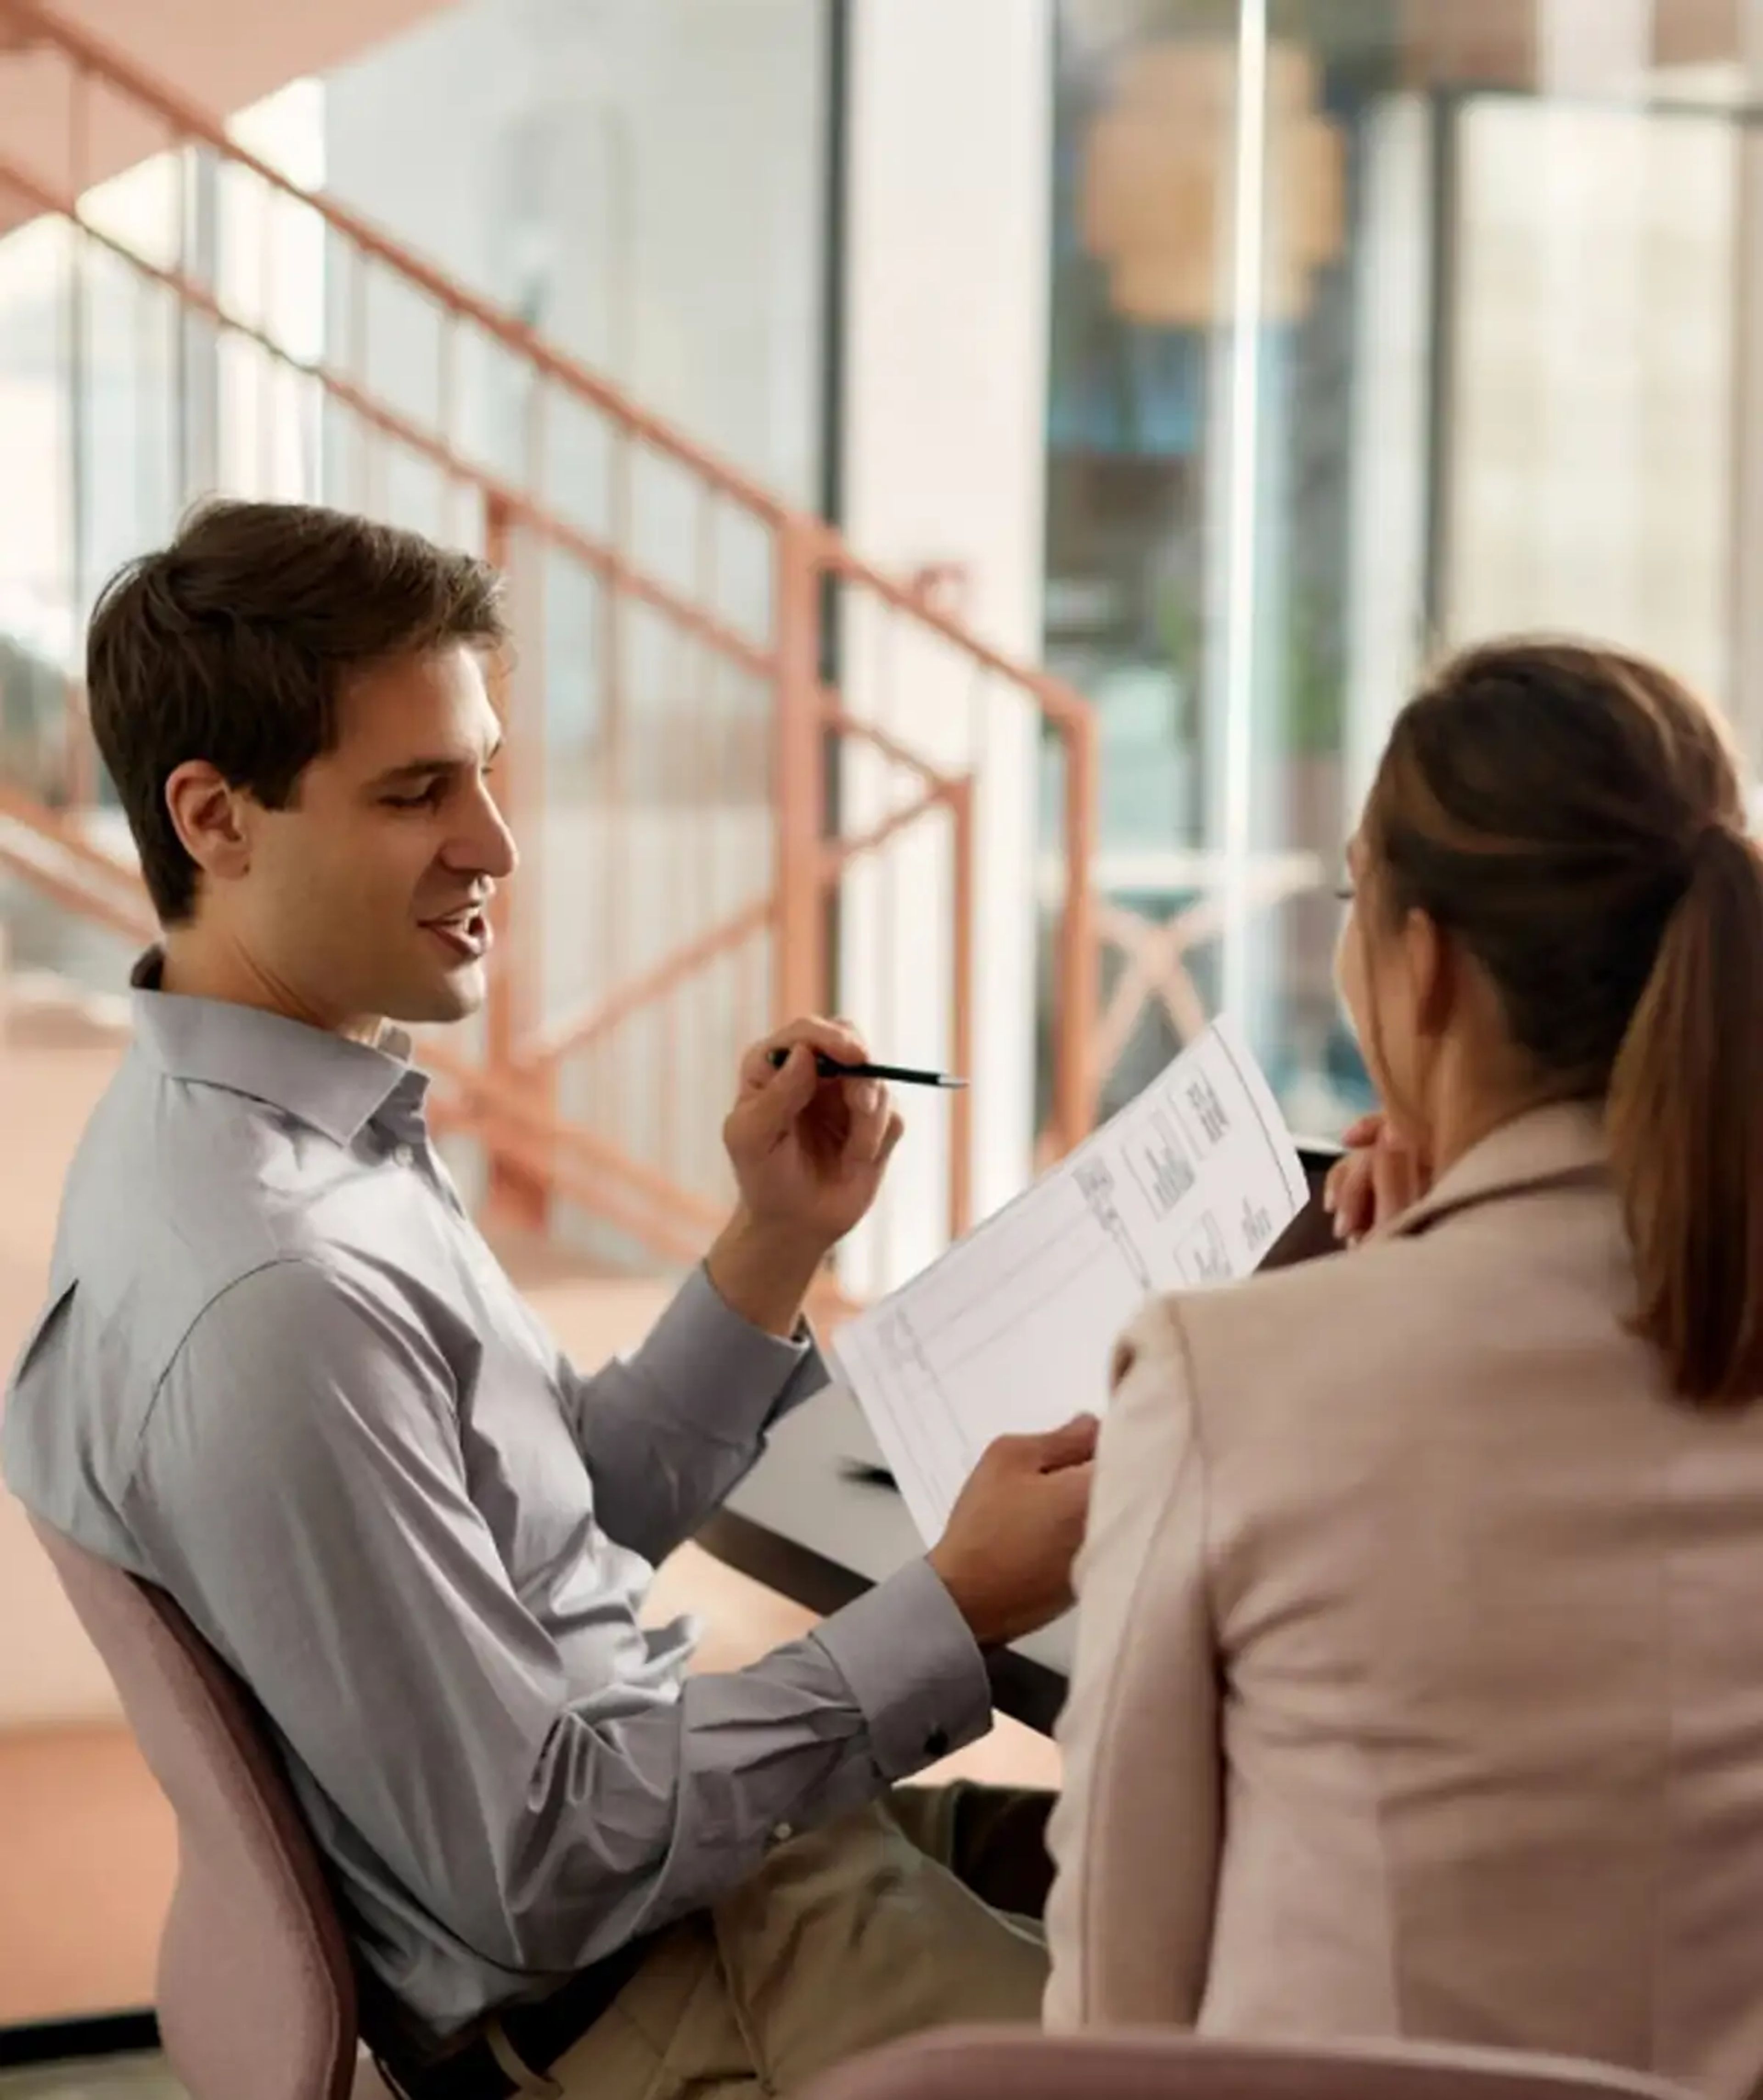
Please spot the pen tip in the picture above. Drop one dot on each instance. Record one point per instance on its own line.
(954, 1086)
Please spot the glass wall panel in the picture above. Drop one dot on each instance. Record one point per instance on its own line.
(644, 184)
(1376, 328)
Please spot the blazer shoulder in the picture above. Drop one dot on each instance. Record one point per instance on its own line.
(1405, 1314)
(1277, 1340)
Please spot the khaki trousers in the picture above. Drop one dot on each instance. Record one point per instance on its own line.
(872, 1928)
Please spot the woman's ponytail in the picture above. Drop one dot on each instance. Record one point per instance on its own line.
(1685, 1116)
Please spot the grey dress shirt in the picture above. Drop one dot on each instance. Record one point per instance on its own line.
(280, 1374)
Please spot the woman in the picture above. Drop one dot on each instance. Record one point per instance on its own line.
(1419, 1687)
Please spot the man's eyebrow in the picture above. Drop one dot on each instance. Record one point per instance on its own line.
(423, 768)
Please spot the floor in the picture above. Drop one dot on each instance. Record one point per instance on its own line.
(111, 2078)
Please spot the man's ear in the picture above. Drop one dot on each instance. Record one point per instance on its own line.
(212, 818)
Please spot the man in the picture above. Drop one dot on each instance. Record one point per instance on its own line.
(280, 1374)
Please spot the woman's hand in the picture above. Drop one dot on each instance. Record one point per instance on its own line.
(1379, 1177)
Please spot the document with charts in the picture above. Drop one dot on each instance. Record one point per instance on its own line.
(1012, 1330)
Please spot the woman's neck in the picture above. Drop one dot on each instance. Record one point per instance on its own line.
(1467, 1116)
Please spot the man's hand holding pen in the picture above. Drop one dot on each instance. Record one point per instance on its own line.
(809, 1154)
(810, 1140)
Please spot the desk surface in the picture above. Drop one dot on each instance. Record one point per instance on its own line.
(800, 1526)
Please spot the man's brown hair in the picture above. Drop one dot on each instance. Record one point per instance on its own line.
(233, 644)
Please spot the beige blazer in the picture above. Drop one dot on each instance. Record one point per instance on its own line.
(1419, 1682)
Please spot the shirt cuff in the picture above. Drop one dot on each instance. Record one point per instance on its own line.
(728, 1380)
(913, 1668)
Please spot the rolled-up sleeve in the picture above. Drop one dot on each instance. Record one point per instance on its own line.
(670, 1430)
(325, 1542)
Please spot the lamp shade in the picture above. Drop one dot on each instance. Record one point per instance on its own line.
(1158, 173)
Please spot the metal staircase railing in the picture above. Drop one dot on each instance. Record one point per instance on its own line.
(704, 674)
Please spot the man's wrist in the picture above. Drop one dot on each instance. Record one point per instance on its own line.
(967, 1595)
(764, 1271)
(913, 1667)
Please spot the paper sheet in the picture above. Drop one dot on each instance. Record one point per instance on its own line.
(1012, 1330)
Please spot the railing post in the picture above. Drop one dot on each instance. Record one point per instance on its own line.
(1076, 998)
(516, 1196)
(799, 979)
(961, 1009)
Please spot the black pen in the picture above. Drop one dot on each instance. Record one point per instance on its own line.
(830, 1068)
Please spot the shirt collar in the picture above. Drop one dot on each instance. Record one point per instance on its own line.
(335, 1085)
(1564, 1142)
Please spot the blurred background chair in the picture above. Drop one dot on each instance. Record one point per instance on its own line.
(1006, 2064)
